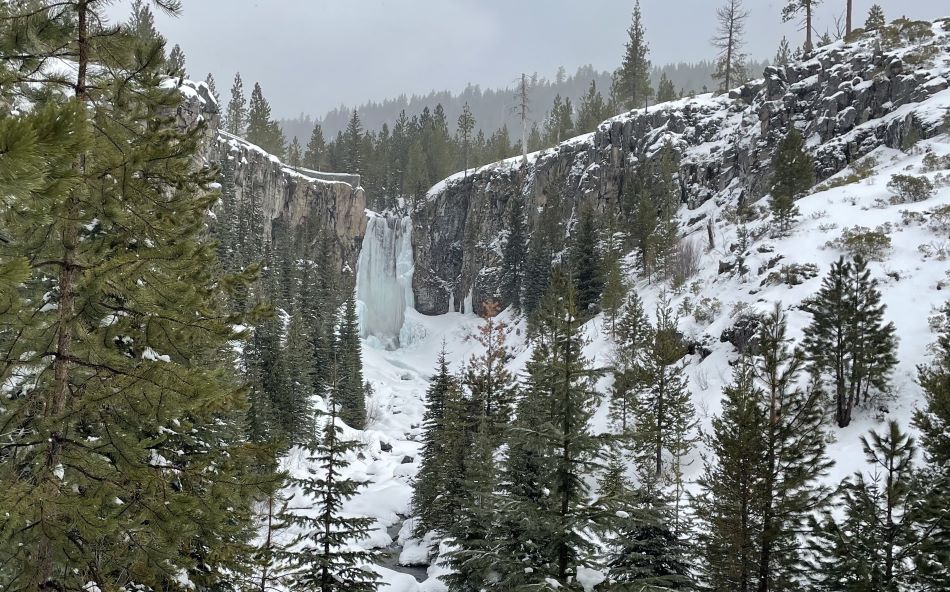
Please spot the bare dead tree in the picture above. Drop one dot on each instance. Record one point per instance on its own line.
(729, 39)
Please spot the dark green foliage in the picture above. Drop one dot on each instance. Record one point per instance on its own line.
(794, 175)
(763, 483)
(328, 561)
(873, 547)
(632, 81)
(652, 196)
(875, 18)
(353, 147)
(514, 253)
(315, 156)
(665, 91)
(295, 154)
(490, 387)
(175, 65)
(635, 337)
(432, 465)
(593, 110)
(559, 124)
(235, 118)
(783, 56)
(261, 129)
(933, 422)
(728, 507)
(349, 393)
(586, 264)
(549, 452)
(124, 462)
(849, 345)
(466, 124)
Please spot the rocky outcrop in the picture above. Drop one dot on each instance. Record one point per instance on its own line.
(329, 203)
(848, 99)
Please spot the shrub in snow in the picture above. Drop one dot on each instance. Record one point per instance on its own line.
(793, 274)
(910, 189)
(859, 241)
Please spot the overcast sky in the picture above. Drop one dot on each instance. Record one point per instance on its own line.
(313, 55)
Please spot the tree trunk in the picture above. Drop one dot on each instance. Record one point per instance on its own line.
(847, 24)
(808, 18)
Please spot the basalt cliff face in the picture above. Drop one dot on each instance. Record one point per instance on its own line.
(886, 88)
(328, 204)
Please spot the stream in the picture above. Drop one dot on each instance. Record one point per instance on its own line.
(390, 557)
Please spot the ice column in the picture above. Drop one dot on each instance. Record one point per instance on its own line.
(384, 279)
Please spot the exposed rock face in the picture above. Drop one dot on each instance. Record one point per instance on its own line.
(848, 99)
(333, 203)
(294, 198)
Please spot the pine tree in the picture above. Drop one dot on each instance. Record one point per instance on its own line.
(523, 109)
(648, 554)
(176, 62)
(466, 123)
(874, 546)
(473, 557)
(491, 387)
(665, 91)
(353, 157)
(783, 56)
(122, 408)
(329, 561)
(728, 507)
(261, 129)
(634, 338)
(729, 39)
(794, 174)
(632, 83)
(294, 154)
(665, 415)
(142, 22)
(560, 124)
(315, 157)
(794, 458)
(615, 288)
(848, 342)
(875, 18)
(432, 457)
(805, 10)
(235, 118)
(270, 558)
(550, 450)
(514, 254)
(933, 423)
(592, 111)
(586, 265)
(349, 392)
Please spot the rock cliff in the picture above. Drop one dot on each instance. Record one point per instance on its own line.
(886, 88)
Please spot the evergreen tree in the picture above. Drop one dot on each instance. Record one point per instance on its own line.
(491, 387)
(261, 129)
(349, 392)
(329, 560)
(933, 498)
(514, 254)
(634, 338)
(632, 83)
(729, 39)
(560, 124)
(473, 559)
(432, 457)
(805, 10)
(794, 174)
(549, 451)
(353, 137)
(874, 545)
(586, 265)
(315, 157)
(783, 56)
(615, 289)
(294, 154)
(875, 18)
(848, 342)
(235, 118)
(665, 91)
(593, 110)
(466, 123)
(123, 456)
(270, 558)
(176, 62)
(142, 22)
(794, 458)
(728, 507)
(665, 414)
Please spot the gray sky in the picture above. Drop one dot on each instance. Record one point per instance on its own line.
(313, 55)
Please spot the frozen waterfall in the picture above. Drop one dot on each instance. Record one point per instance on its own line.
(384, 280)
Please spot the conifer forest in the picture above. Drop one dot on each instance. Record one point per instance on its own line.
(677, 318)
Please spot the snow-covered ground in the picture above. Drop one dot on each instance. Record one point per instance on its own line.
(913, 285)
